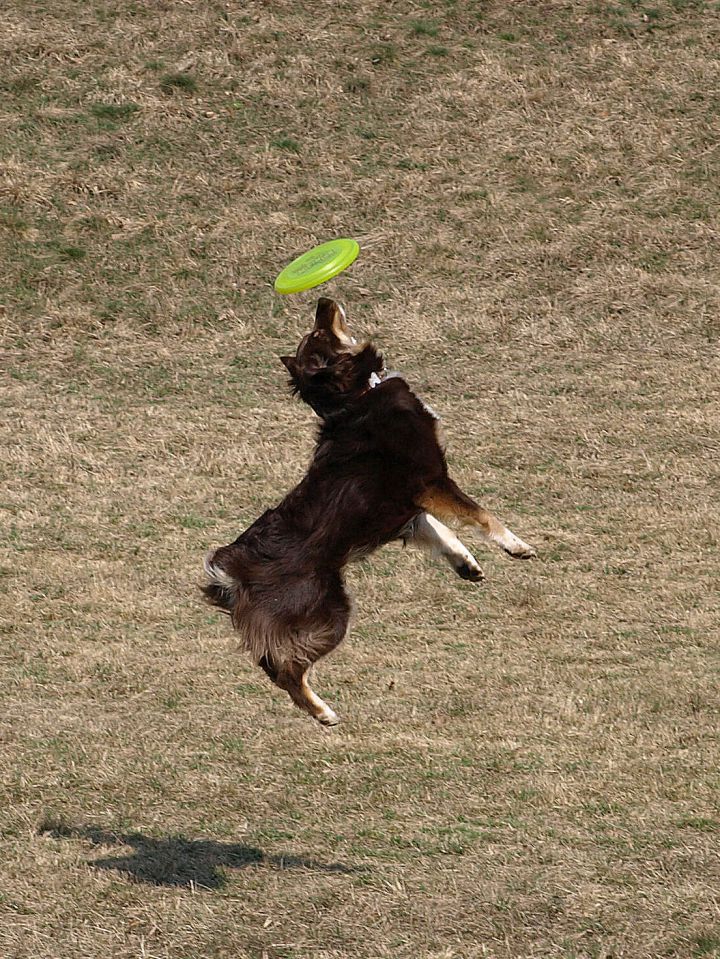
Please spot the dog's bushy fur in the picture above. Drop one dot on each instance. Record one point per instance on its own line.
(377, 467)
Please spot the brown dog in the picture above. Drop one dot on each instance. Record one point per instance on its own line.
(378, 474)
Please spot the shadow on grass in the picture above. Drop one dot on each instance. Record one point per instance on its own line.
(177, 861)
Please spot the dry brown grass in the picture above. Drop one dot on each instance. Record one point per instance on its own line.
(527, 769)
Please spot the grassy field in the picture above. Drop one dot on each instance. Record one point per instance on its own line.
(528, 768)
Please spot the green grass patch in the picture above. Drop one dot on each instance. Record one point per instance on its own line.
(114, 111)
(178, 82)
(288, 144)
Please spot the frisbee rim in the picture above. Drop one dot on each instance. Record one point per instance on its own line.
(289, 280)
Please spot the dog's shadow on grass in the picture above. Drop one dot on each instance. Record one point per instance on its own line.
(176, 861)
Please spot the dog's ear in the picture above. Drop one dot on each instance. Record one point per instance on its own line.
(331, 316)
(368, 361)
(290, 363)
(311, 367)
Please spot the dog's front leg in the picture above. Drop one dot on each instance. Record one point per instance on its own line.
(430, 534)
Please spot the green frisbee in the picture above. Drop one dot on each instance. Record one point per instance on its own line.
(317, 266)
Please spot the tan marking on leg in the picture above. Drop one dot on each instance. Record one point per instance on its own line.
(293, 679)
(450, 501)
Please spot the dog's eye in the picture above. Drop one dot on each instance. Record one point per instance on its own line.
(317, 361)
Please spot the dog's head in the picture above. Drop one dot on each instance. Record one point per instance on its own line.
(330, 369)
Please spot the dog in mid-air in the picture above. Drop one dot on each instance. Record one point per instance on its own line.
(378, 474)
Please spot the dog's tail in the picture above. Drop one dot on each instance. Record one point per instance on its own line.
(221, 591)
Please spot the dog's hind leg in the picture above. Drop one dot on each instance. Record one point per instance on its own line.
(290, 670)
(292, 677)
(430, 534)
(447, 500)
